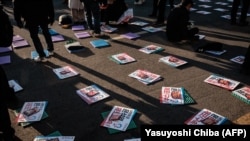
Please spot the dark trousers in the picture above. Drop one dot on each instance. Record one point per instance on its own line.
(191, 32)
(161, 10)
(155, 6)
(5, 123)
(92, 9)
(34, 29)
(244, 10)
(246, 63)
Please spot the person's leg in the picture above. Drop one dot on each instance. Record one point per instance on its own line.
(5, 123)
(234, 10)
(161, 11)
(171, 3)
(33, 29)
(244, 10)
(154, 11)
(245, 67)
(74, 15)
(104, 16)
(96, 14)
(81, 16)
(89, 15)
(192, 32)
(47, 36)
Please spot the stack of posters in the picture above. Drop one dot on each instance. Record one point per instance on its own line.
(74, 46)
(145, 76)
(126, 16)
(54, 138)
(57, 38)
(149, 49)
(15, 85)
(175, 96)
(206, 117)
(139, 23)
(92, 94)
(119, 119)
(65, 72)
(52, 32)
(5, 49)
(130, 35)
(31, 111)
(243, 94)
(25, 124)
(222, 82)
(151, 29)
(216, 52)
(5, 59)
(77, 27)
(19, 41)
(131, 125)
(238, 59)
(99, 43)
(172, 61)
(122, 58)
(82, 34)
(203, 12)
(108, 29)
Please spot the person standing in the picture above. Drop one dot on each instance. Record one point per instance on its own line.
(92, 8)
(245, 67)
(6, 29)
(113, 10)
(77, 11)
(7, 130)
(6, 93)
(243, 13)
(156, 7)
(37, 14)
(177, 28)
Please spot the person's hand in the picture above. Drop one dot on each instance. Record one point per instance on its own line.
(103, 6)
(19, 23)
(51, 21)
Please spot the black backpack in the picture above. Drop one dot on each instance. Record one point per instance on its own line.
(6, 29)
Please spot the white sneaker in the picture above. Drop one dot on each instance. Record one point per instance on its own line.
(37, 59)
(51, 53)
(98, 34)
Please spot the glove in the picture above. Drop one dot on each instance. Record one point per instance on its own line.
(51, 21)
(19, 24)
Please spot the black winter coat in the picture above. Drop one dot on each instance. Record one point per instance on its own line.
(34, 11)
(177, 24)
